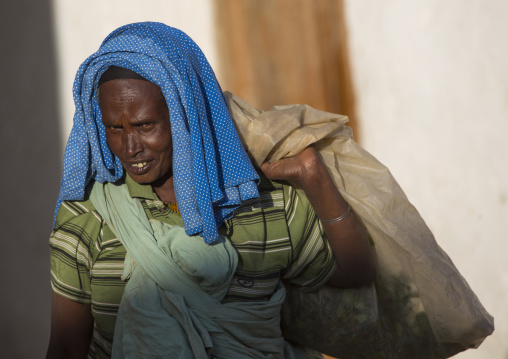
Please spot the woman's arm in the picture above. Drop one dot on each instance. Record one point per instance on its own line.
(348, 238)
(71, 329)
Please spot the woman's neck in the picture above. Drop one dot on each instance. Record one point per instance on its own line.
(165, 189)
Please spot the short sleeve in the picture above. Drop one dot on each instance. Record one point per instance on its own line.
(72, 248)
(312, 262)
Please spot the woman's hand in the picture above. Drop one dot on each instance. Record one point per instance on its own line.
(348, 238)
(300, 170)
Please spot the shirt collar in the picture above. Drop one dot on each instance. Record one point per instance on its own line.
(137, 190)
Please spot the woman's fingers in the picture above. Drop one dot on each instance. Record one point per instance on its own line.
(296, 169)
(285, 169)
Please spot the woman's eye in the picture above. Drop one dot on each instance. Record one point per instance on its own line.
(114, 129)
(146, 126)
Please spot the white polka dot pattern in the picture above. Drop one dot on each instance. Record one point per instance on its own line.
(212, 172)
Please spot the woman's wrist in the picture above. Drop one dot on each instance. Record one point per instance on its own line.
(339, 218)
(322, 193)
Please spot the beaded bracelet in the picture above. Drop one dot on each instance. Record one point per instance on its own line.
(338, 218)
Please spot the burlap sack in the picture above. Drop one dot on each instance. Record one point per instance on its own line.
(425, 308)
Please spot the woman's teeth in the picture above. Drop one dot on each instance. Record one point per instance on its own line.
(139, 165)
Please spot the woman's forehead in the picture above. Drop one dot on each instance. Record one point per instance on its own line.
(128, 89)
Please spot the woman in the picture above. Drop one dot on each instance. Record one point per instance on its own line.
(154, 161)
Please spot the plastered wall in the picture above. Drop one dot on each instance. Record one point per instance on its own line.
(431, 84)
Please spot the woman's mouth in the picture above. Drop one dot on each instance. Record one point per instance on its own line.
(139, 168)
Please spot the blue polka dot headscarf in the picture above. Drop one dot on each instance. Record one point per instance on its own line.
(212, 173)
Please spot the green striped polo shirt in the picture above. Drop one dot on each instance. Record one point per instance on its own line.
(276, 236)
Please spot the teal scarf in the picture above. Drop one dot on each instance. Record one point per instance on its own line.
(171, 307)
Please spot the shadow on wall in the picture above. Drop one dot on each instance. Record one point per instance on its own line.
(30, 150)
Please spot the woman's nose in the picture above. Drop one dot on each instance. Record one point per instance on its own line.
(132, 144)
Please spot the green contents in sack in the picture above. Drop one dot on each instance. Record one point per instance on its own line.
(358, 323)
(330, 320)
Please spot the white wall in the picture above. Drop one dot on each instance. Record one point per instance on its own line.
(431, 83)
(81, 25)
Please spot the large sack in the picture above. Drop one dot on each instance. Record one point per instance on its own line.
(421, 306)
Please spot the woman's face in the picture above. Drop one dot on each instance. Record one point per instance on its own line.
(138, 130)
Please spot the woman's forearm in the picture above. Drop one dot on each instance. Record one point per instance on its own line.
(347, 237)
